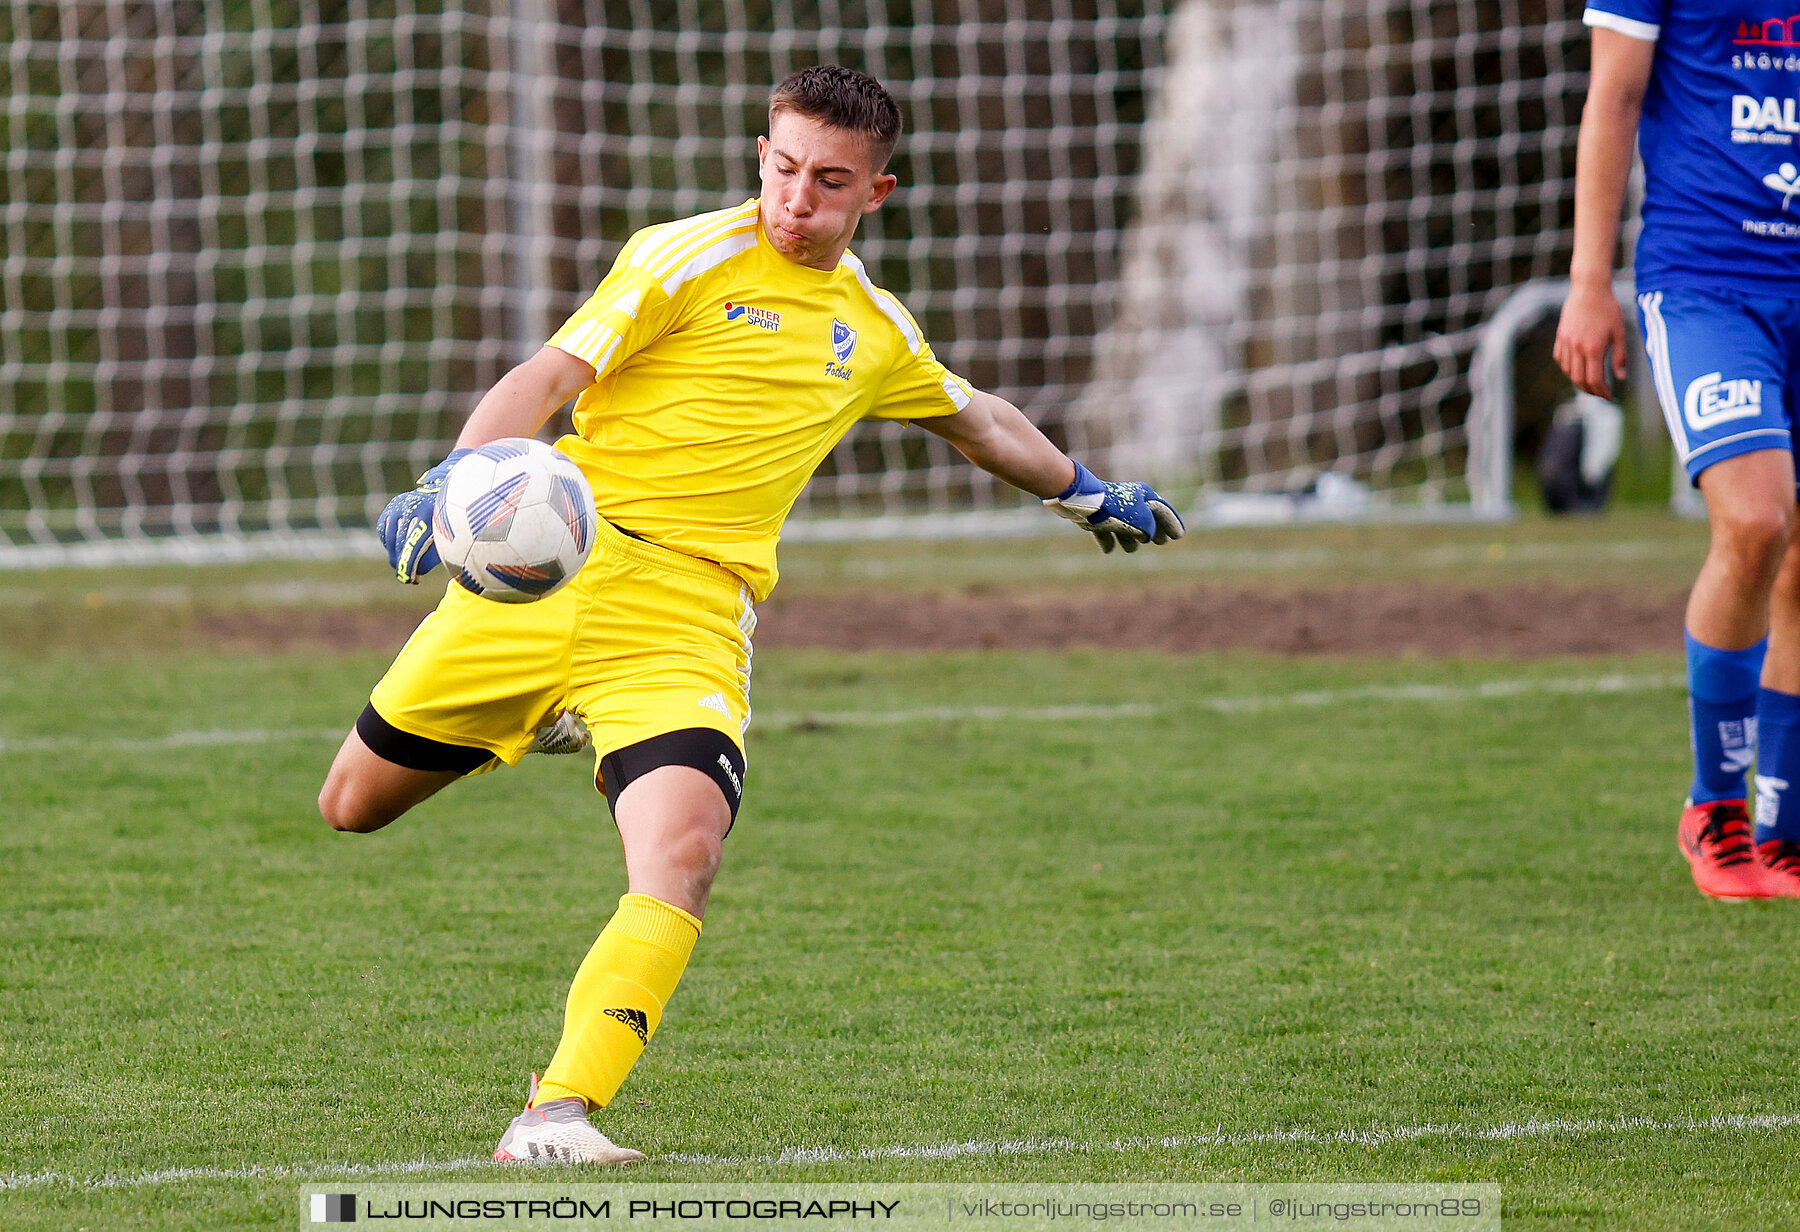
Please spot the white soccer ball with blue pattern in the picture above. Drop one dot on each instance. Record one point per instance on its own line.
(515, 520)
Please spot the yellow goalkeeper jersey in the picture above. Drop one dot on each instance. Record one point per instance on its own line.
(726, 373)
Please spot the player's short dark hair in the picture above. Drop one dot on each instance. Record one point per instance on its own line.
(842, 98)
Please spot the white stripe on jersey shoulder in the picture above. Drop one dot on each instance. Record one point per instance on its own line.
(890, 307)
(662, 240)
(603, 361)
(682, 250)
(1631, 28)
(577, 342)
(594, 342)
(708, 258)
(959, 396)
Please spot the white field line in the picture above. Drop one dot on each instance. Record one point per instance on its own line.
(1269, 1137)
(789, 1156)
(174, 740)
(1070, 713)
(1080, 712)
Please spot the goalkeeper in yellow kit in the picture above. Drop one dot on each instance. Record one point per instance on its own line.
(716, 366)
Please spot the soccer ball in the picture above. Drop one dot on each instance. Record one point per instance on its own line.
(515, 520)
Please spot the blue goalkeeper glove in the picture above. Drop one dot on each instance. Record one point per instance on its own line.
(1125, 514)
(405, 525)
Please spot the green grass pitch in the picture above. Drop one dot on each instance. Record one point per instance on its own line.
(1274, 920)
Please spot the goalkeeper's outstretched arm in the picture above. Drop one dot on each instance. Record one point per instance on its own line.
(995, 435)
(524, 399)
(517, 405)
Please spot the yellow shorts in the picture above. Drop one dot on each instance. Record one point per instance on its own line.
(644, 641)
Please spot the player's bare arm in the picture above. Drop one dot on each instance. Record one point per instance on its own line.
(523, 400)
(1592, 325)
(364, 792)
(518, 405)
(995, 435)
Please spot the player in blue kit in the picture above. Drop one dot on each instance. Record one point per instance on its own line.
(1709, 89)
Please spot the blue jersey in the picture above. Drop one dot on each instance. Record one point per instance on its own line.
(1720, 137)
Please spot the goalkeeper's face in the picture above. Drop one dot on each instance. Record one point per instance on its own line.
(817, 183)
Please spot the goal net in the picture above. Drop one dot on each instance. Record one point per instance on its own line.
(258, 258)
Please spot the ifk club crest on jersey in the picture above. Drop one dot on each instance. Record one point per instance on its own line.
(843, 344)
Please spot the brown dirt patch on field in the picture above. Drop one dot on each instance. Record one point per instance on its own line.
(1430, 621)
(278, 630)
(1518, 622)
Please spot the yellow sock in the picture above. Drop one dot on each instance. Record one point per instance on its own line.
(617, 998)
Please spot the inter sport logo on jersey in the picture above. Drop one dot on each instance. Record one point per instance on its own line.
(762, 318)
(1711, 400)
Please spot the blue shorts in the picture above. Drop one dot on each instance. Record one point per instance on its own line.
(1727, 368)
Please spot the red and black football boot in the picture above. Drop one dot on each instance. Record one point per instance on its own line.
(1780, 859)
(1715, 837)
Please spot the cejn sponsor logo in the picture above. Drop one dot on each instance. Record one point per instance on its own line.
(1772, 121)
(762, 318)
(1711, 401)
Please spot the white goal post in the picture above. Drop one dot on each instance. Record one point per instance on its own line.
(258, 258)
